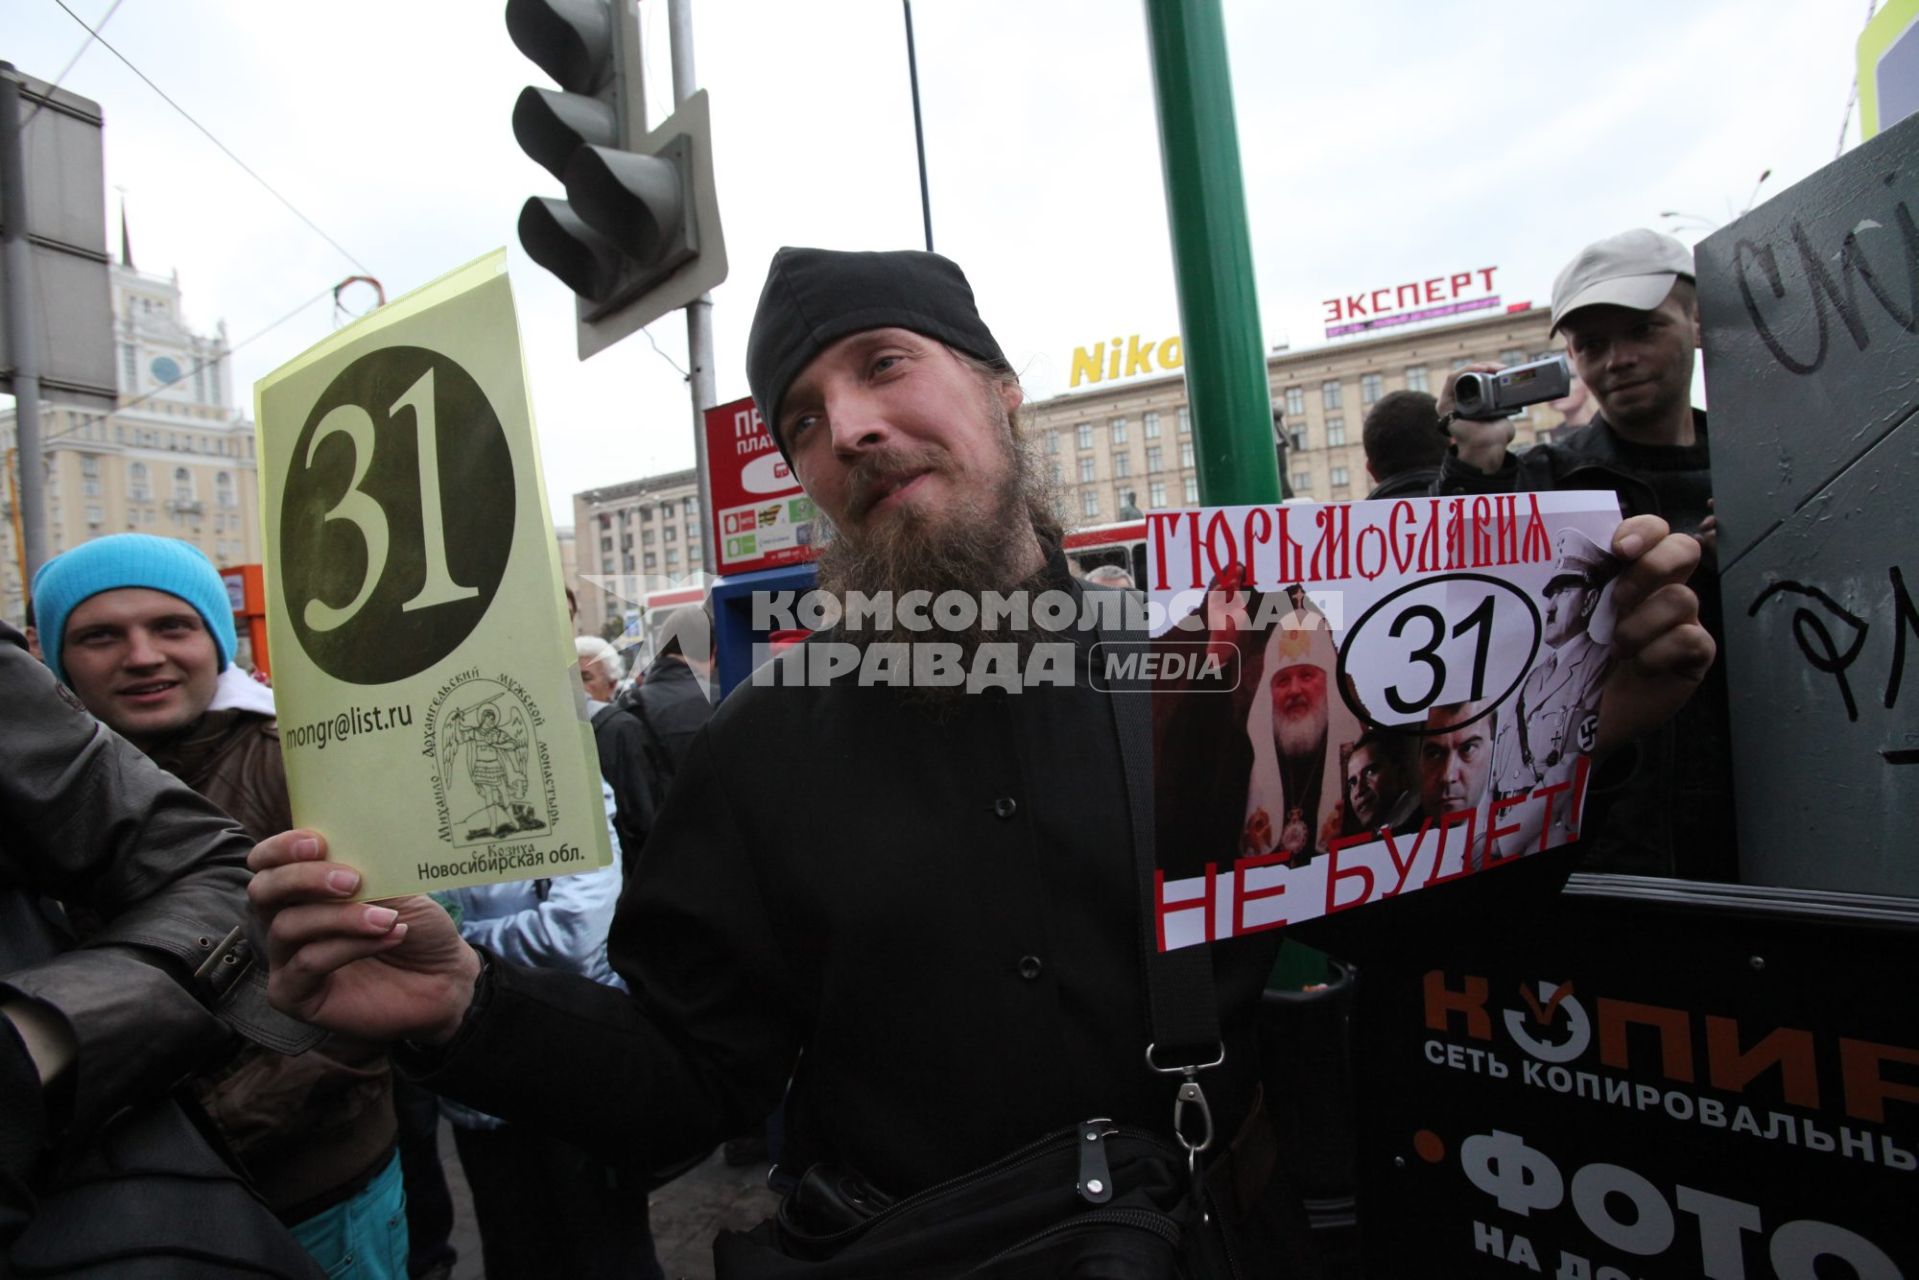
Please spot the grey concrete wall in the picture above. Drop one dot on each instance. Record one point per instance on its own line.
(1810, 306)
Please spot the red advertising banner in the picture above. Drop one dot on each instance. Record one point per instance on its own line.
(760, 517)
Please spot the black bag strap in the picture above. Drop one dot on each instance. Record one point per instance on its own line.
(1182, 1006)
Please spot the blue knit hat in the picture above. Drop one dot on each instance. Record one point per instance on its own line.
(129, 560)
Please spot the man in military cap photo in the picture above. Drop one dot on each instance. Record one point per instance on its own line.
(1555, 718)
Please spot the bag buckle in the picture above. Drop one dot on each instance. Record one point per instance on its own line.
(226, 963)
(1095, 1173)
(1191, 1095)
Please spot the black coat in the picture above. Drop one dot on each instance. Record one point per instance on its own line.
(1673, 813)
(941, 912)
(621, 741)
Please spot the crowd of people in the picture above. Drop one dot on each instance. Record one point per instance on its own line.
(919, 939)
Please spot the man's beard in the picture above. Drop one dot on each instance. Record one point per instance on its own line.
(1301, 735)
(975, 545)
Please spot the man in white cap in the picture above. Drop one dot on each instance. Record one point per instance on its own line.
(1630, 315)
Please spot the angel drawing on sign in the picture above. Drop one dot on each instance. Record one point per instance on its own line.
(493, 758)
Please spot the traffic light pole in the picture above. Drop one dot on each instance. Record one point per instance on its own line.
(20, 330)
(699, 312)
(1226, 376)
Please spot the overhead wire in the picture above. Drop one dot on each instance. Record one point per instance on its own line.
(684, 375)
(225, 150)
(203, 364)
(71, 63)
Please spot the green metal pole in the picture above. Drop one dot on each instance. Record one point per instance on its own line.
(1218, 305)
(1212, 255)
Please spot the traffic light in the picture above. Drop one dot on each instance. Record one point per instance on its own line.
(638, 234)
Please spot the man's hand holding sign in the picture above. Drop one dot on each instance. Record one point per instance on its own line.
(1660, 650)
(394, 970)
(398, 969)
(1469, 659)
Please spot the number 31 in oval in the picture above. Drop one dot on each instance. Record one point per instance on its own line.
(1455, 638)
(397, 518)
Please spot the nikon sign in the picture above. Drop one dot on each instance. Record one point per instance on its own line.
(1126, 358)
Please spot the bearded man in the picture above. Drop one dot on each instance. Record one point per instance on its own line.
(929, 915)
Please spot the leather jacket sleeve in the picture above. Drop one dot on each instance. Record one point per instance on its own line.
(87, 819)
(1456, 476)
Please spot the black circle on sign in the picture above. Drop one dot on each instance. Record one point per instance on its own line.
(1358, 708)
(327, 560)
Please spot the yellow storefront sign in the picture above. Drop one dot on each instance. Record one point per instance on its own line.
(1126, 358)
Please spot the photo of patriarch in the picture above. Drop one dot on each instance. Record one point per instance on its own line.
(1296, 724)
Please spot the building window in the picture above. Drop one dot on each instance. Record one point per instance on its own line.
(1185, 421)
(1156, 494)
(1302, 481)
(1085, 470)
(137, 487)
(1371, 386)
(90, 488)
(94, 515)
(672, 559)
(1510, 357)
(1089, 503)
(651, 561)
(646, 537)
(90, 465)
(1122, 465)
(1335, 432)
(1295, 402)
(688, 506)
(1052, 442)
(646, 513)
(223, 489)
(1152, 425)
(1300, 439)
(1416, 378)
(1186, 454)
(1460, 362)
(1339, 478)
(1192, 491)
(672, 533)
(1329, 395)
(1085, 433)
(1059, 473)
(606, 543)
(1155, 458)
(1119, 431)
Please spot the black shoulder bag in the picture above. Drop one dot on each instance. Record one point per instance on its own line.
(1097, 1199)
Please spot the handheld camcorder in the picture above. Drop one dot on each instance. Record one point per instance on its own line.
(1483, 397)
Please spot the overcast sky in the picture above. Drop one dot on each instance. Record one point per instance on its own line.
(1382, 142)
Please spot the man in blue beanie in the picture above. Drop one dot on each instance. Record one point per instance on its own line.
(141, 629)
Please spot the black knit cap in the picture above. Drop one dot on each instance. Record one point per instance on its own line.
(815, 297)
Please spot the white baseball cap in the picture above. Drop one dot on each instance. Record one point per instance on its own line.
(1633, 269)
